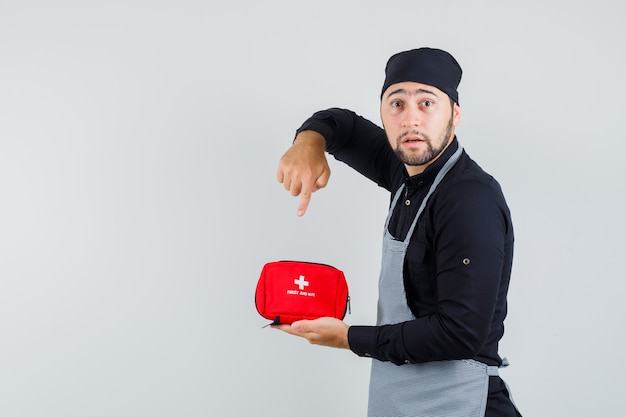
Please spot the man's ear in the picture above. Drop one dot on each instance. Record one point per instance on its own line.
(456, 115)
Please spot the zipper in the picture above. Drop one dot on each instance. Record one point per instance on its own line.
(307, 262)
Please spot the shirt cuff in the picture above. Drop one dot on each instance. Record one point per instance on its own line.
(318, 126)
(362, 340)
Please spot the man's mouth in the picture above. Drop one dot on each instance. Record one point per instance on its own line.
(412, 137)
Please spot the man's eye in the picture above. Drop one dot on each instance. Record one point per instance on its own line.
(427, 103)
(396, 104)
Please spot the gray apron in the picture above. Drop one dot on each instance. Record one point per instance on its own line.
(452, 388)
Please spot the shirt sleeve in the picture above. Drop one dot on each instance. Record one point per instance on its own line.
(470, 223)
(357, 142)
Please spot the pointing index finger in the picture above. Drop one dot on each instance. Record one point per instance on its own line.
(305, 198)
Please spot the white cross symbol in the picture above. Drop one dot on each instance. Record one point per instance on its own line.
(300, 282)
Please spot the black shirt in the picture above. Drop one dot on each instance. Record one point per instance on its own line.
(458, 263)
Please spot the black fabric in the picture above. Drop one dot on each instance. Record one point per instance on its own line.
(426, 66)
(499, 402)
(459, 308)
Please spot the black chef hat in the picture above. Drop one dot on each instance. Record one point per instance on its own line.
(425, 66)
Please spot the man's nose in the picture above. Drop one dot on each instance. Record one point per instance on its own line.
(412, 117)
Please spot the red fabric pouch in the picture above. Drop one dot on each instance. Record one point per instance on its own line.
(289, 291)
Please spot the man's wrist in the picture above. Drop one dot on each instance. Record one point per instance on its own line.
(310, 138)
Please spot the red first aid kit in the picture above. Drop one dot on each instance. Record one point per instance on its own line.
(289, 291)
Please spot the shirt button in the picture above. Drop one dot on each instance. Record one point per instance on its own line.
(407, 202)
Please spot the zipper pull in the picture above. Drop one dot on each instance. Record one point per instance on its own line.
(276, 322)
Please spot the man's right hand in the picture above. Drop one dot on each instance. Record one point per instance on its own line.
(303, 169)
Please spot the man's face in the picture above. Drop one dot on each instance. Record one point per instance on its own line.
(419, 121)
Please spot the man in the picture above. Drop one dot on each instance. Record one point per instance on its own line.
(447, 248)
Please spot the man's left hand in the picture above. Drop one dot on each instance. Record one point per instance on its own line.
(325, 331)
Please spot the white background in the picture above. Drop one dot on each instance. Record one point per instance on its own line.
(138, 202)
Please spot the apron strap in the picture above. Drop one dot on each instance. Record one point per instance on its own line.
(393, 205)
(448, 165)
(493, 370)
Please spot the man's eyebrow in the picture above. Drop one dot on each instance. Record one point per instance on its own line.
(414, 92)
